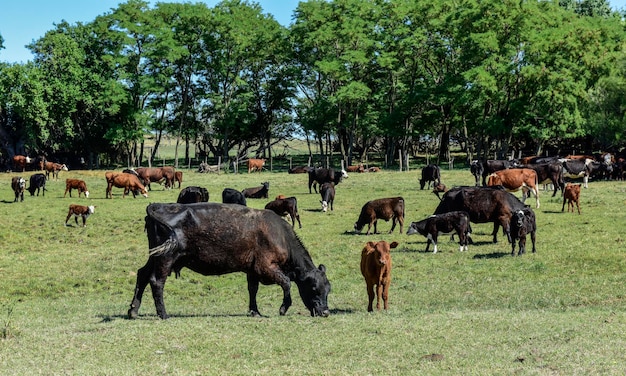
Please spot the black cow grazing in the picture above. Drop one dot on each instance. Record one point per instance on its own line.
(325, 175)
(327, 191)
(430, 174)
(549, 173)
(584, 168)
(285, 206)
(445, 223)
(215, 239)
(384, 208)
(191, 194)
(488, 167)
(37, 182)
(233, 196)
(257, 192)
(483, 204)
(18, 184)
(523, 223)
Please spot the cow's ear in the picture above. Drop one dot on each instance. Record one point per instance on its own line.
(322, 268)
(393, 245)
(371, 244)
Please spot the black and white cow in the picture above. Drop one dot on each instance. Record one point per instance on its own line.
(584, 168)
(446, 223)
(18, 185)
(325, 175)
(523, 223)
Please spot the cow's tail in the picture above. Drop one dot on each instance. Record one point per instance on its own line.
(164, 248)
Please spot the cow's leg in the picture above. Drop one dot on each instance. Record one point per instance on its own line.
(577, 205)
(157, 282)
(298, 218)
(532, 239)
(586, 181)
(563, 207)
(522, 245)
(496, 227)
(253, 288)
(370, 296)
(379, 294)
(386, 294)
(432, 238)
(393, 224)
(143, 277)
(513, 248)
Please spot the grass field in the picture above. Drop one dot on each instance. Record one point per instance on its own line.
(65, 291)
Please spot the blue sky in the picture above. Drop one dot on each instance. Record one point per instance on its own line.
(24, 21)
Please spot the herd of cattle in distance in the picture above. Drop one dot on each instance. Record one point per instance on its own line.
(198, 234)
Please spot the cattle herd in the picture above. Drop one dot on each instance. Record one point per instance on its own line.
(199, 235)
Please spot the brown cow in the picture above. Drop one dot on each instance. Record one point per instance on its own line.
(384, 208)
(571, 195)
(255, 164)
(376, 269)
(54, 168)
(124, 180)
(79, 211)
(515, 179)
(286, 206)
(77, 184)
(20, 162)
(159, 175)
(357, 168)
(178, 176)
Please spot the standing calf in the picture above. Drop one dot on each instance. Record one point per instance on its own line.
(285, 206)
(18, 184)
(79, 211)
(327, 190)
(444, 223)
(523, 222)
(571, 195)
(384, 208)
(376, 269)
(77, 184)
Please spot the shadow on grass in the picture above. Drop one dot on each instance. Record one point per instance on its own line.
(492, 255)
(153, 316)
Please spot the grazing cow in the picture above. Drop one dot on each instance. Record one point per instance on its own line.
(18, 184)
(584, 168)
(384, 208)
(490, 166)
(358, 168)
(445, 223)
(178, 176)
(300, 170)
(440, 188)
(327, 191)
(286, 206)
(233, 196)
(37, 182)
(551, 172)
(430, 174)
(325, 175)
(523, 222)
(124, 180)
(80, 211)
(159, 175)
(192, 194)
(54, 168)
(571, 194)
(483, 204)
(376, 269)
(214, 239)
(257, 192)
(255, 164)
(515, 179)
(77, 184)
(20, 162)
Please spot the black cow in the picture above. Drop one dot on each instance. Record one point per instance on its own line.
(523, 223)
(483, 204)
(37, 182)
(257, 192)
(488, 167)
(430, 174)
(584, 168)
(325, 175)
(233, 196)
(191, 194)
(215, 239)
(285, 206)
(549, 173)
(445, 223)
(327, 191)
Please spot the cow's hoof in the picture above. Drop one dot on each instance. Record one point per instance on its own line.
(254, 314)
(132, 314)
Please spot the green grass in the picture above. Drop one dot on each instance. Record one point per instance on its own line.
(65, 291)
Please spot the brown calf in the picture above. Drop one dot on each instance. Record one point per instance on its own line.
(571, 195)
(255, 164)
(77, 184)
(384, 208)
(285, 206)
(178, 176)
(357, 168)
(376, 269)
(79, 211)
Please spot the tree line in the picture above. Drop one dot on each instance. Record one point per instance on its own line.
(352, 77)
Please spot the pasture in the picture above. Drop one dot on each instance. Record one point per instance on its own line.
(65, 291)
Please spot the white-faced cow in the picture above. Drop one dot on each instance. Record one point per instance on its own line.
(376, 269)
(284, 206)
(327, 191)
(54, 169)
(80, 211)
(191, 194)
(37, 182)
(431, 174)
(233, 196)
(515, 179)
(77, 184)
(384, 208)
(255, 164)
(325, 175)
(20, 162)
(483, 204)
(257, 192)
(18, 185)
(446, 223)
(523, 223)
(215, 239)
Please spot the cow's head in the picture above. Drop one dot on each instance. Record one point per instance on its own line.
(324, 206)
(91, 209)
(344, 174)
(382, 251)
(314, 288)
(64, 168)
(86, 193)
(358, 228)
(417, 228)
